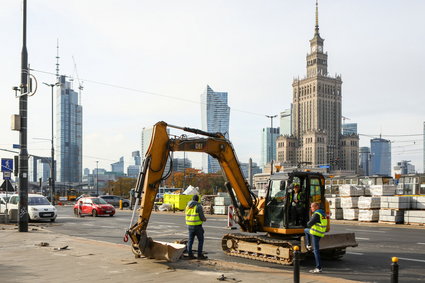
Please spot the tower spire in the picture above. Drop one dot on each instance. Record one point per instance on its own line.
(57, 59)
(317, 19)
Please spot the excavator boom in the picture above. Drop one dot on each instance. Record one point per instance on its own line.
(153, 173)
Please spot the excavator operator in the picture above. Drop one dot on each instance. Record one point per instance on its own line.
(298, 206)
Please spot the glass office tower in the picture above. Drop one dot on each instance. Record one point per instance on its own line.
(69, 133)
(215, 114)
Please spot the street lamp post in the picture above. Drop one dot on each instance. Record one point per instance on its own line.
(97, 177)
(271, 143)
(23, 153)
(52, 167)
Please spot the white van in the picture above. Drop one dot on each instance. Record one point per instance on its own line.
(39, 207)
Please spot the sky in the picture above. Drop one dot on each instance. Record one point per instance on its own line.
(141, 62)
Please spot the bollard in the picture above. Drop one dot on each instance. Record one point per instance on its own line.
(120, 204)
(296, 264)
(394, 270)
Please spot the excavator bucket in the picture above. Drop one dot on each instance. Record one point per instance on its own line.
(338, 240)
(160, 250)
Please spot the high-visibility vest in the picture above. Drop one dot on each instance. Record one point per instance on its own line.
(192, 217)
(300, 196)
(319, 228)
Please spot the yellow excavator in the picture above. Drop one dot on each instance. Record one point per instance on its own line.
(282, 226)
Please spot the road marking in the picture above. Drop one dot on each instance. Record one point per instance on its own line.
(213, 238)
(366, 239)
(113, 227)
(353, 253)
(412, 259)
(215, 227)
(371, 231)
(420, 243)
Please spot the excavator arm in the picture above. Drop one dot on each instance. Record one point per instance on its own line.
(214, 144)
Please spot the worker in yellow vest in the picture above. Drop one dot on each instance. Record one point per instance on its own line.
(316, 231)
(194, 219)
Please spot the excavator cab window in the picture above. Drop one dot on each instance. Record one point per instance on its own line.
(276, 204)
(315, 190)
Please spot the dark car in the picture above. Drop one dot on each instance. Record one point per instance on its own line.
(115, 200)
(93, 206)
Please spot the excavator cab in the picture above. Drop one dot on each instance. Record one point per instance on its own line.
(288, 200)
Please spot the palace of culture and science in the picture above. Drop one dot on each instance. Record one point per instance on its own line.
(316, 118)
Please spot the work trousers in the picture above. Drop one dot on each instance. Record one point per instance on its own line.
(198, 231)
(316, 247)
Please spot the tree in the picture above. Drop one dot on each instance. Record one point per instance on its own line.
(121, 186)
(207, 183)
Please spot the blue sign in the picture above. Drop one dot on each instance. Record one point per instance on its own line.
(6, 165)
(324, 166)
(16, 145)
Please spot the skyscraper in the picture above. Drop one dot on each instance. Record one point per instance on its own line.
(118, 167)
(215, 116)
(316, 117)
(69, 133)
(145, 141)
(380, 156)
(268, 145)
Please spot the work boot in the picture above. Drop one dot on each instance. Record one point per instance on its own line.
(202, 257)
(191, 256)
(316, 270)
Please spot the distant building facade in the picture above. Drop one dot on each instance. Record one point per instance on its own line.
(286, 122)
(180, 164)
(364, 161)
(349, 129)
(380, 156)
(215, 116)
(404, 167)
(69, 133)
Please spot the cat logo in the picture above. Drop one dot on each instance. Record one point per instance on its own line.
(199, 145)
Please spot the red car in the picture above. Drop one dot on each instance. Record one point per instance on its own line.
(93, 206)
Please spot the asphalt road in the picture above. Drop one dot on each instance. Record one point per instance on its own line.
(369, 262)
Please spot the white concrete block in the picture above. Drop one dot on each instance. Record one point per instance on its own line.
(351, 190)
(349, 202)
(380, 190)
(370, 215)
(369, 202)
(220, 209)
(334, 202)
(350, 213)
(336, 213)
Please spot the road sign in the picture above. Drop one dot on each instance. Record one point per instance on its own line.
(16, 145)
(6, 175)
(6, 165)
(324, 166)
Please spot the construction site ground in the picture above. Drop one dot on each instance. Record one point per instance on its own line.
(40, 255)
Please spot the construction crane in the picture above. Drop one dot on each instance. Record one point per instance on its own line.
(344, 118)
(80, 83)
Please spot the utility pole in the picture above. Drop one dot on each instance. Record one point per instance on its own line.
(271, 141)
(23, 153)
(52, 167)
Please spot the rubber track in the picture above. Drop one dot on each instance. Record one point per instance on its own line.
(263, 239)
